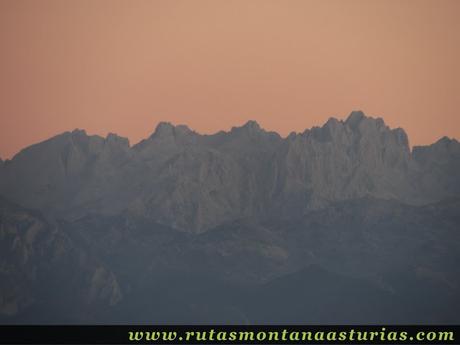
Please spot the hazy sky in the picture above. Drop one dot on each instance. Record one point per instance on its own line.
(122, 66)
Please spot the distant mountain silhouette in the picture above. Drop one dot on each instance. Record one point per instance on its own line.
(195, 182)
(341, 223)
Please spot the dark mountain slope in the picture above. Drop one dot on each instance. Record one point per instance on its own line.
(356, 260)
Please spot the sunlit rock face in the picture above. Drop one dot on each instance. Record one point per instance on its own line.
(345, 160)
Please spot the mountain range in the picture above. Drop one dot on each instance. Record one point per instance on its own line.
(341, 223)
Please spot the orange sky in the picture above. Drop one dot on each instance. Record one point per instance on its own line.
(122, 66)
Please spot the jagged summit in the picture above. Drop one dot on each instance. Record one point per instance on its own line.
(115, 139)
(194, 182)
(445, 140)
(444, 144)
(80, 132)
(251, 125)
(356, 121)
(445, 148)
(355, 118)
(169, 128)
(357, 128)
(166, 129)
(250, 128)
(163, 129)
(332, 121)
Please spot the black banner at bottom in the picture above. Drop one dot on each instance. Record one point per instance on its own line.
(215, 334)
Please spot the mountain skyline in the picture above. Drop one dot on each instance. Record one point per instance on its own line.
(194, 182)
(212, 65)
(237, 227)
(248, 123)
(250, 204)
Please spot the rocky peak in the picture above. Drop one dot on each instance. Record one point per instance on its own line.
(115, 140)
(251, 137)
(357, 130)
(163, 129)
(332, 122)
(358, 121)
(438, 168)
(79, 132)
(167, 133)
(250, 127)
(375, 130)
(401, 137)
(448, 143)
(166, 139)
(166, 129)
(332, 130)
(355, 118)
(444, 149)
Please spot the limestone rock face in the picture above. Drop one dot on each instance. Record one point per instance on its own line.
(194, 182)
(346, 160)
(64, 171)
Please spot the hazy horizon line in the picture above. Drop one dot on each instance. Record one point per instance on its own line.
(175, 125)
